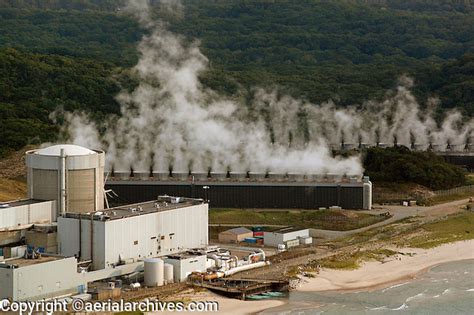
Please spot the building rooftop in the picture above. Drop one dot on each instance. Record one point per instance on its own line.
(183, 256)
(288, 230)
(17, 203)
(239, 230)
(163, 203)
(69, 149)
(22, 262)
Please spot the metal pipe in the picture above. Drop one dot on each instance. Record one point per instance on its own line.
(92, 238)
(62, 189)
(216, 259)
(246, 267)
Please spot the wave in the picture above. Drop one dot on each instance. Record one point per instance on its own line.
(401, 307)
(419, 295)
(394, 286)
(378, 308)
(470, 290)
(446, 291)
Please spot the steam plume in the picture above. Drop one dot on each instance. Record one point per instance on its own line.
(171, 121)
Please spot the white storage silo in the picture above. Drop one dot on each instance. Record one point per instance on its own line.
(70, 174)
(168, 273)
(154, 272)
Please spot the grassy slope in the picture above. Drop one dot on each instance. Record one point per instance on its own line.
(410, 232)
(321, 219)
(11, 189)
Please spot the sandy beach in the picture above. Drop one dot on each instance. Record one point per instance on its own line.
(370, 276)
(227, 305)
(396, 269)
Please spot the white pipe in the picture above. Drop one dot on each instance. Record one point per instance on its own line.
(216, 259)
(263, 253)
(246, 267)
(62, 192)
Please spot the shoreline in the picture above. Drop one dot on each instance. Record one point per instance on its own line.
(370, 276)
(373, 275)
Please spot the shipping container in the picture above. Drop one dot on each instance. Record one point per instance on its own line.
(250, 240)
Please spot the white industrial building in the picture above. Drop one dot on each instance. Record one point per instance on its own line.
(286, 236)
(28, 279)
(130, 233)
(185, 264)
(23, 214)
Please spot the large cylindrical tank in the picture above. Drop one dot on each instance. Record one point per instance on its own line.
(70, 174)
(367, 193)
(154, 272)
(168, 273)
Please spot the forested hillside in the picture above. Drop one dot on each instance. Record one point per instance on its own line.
(67, 53)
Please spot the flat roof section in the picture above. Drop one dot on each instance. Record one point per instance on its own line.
(22, 262)
(288, 230)
(17, 203)
(163, 203)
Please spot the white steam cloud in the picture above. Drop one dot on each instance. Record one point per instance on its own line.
(171, 120)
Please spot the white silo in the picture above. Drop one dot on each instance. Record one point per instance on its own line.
(169, 273)
(154, 272)
(70, 174)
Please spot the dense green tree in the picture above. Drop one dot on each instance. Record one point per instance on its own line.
(399, 164)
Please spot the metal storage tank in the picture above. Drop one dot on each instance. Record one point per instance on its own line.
(154, 272)
(367, 193)
(168, 273)
(70, 174)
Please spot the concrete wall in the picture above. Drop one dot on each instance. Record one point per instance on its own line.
(15, 217)
(272, 239)
(136, 237)
(183, 267)
(41, 280)
(7, 285)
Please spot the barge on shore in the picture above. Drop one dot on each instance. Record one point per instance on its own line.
(242, 288)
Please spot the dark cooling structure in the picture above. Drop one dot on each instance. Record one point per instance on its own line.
(248, 190)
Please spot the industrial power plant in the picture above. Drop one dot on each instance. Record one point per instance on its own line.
(67, 241)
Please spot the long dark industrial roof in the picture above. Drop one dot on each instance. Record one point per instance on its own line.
(234, 183)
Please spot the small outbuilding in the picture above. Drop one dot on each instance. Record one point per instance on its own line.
(235, 235)
(287, 236)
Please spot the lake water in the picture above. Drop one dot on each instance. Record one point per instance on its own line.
(446, 289)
